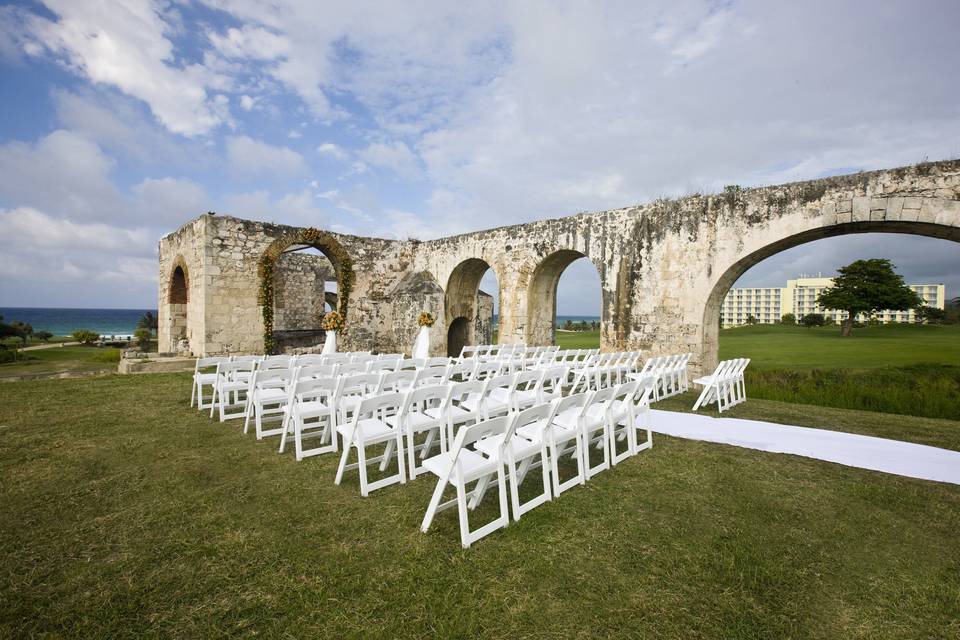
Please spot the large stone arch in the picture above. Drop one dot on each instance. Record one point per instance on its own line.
(461, 299)
(758, 247)
(323, 242)
(541, 303)
(178, 299)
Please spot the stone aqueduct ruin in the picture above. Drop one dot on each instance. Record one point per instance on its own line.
(664, 267)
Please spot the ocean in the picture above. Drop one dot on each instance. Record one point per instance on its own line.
(560, 319)
(63, 322)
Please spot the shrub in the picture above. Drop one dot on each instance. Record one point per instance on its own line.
(106, 355)
(143, 338)
(42, 335)
(85, 336)
(813, 320)
(788, 318)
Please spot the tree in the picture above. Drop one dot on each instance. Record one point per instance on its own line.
(930, 315)
(147, 321)
(143, 336)
(751, 320)
(813, 320)
(867, 286)
(85, 336)
(788, 318)
(42, 335)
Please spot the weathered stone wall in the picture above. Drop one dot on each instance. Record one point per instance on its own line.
(299, 288)
(176, 321)
(664, 267)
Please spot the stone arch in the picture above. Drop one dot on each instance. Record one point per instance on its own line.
(178, 298)
(711, 311)
(460, 297)
(458, 336)
(541, 326)
(323, 242)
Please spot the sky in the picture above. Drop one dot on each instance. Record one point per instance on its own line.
(122, 120)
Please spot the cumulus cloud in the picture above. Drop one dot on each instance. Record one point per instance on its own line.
(126, 46)
(64, 172)
(333, 150)
(170, 200)
(395, 156)
(247, 155)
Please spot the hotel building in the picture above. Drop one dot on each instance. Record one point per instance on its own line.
(799, 297)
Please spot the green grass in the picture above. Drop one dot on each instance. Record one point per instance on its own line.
(62, 359)
(774, 346)
(906, 369)
(578, 339)
(130, 518)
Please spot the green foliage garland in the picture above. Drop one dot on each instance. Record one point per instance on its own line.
(266, 268)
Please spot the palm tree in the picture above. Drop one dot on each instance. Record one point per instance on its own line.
(147, 321)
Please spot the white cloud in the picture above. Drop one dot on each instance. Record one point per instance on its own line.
(332, 150)
(26, 227)
(124, 45)
(296, 208)
(247, 102)
(395, 156)
(64, 172)
(251, 156)
(170, 200)
(250, 42)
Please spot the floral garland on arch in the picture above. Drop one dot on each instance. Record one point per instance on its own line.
(333, 321)
(425, 320)
(265, 270)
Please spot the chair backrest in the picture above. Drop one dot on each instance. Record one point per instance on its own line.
(352, 368)
(310, 359)
(432, 375)
(540, 415)
(437, 361)
(426, 397)
(209, 363)
(460, 391)
(336, 358)
(383, 364)
(228, 370)
(412, 364)
(397, 380)
(485, 370)
(247, 358)
(361, 384)
(275, 362)
(315, 388)
(529, 380)
(382, 404)
(483, 429)
(503, 382)
(263, 378)
(573, 402)
(315, 371)
(461, 371)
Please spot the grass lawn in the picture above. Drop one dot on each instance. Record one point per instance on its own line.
(126, 513)
(61, 359)
(578, 339)
(772, 346)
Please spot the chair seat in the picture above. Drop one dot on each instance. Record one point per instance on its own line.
(704, 381)
(312, 408)
(470, 466)
(371, 430)
(419, 421)
(265, 396)
(520, 447)
(456, 412)
(235, 385)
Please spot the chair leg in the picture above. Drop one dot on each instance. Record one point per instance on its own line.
(362, 467)
(343, 463)
(432, 507)
(464, 516)
(193, 392)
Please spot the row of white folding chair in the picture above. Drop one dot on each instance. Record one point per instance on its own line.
(668, 375)
(725, 385)
(205, 375)
(509, 446)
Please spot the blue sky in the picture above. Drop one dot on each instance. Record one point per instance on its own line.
(122, 120)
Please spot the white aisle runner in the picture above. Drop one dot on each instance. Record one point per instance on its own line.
(866, 452)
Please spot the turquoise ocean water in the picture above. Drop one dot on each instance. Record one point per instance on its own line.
(61, 322)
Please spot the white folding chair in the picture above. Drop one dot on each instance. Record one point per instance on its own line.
(310, 414)
(230, 388)
(494, 400)
(266, 398)
(462, 465)
(714, 385)
(594, 426)
(432, 375)
(456, 410)
(416, 418)
(561, 436)
(397, 381)
(621, 421)
(369, 427)
(204, 375)
(527, 390)
(351, 391)
(519, 453)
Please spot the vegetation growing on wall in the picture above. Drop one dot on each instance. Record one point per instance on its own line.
(318, 239)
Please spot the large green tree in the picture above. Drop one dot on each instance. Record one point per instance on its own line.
(867, 286)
